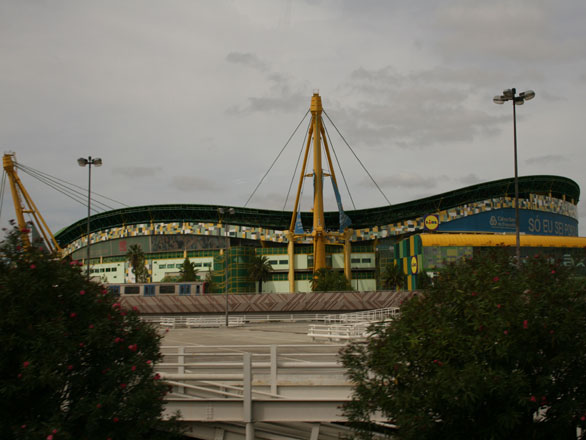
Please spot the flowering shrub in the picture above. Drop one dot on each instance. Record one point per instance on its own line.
(62, 373)
(487, 352)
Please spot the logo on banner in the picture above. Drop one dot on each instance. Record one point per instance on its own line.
(431, 222)
(414, 265)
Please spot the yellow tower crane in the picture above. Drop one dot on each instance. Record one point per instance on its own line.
(319, 235)
(21, 198)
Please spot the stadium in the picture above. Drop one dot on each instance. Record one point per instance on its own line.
(417, 235)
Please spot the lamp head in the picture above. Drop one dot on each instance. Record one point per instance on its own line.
(527, 95)
(82, 162)
(97, 162)
(498, 100)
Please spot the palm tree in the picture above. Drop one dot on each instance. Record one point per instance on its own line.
(136, 259)
(259, 270)
(328, 280)
(393, 276)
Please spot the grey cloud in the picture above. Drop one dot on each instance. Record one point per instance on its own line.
(193, 183)
(417, 110)
(525, 31)
(246, 59)
(547, 159)
(406, 180)
(470, 179)
(134, 172)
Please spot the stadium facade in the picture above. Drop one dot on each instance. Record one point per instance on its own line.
(169, 233)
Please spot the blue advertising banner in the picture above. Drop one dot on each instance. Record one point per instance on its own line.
(503, 220)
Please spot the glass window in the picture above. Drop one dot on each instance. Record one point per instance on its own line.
(131, 290)
(167, 288)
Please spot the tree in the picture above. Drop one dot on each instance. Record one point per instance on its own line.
(136, 259)
(188, 271)
(210, 285)
(393, 276)
(328, 280)
(489, 351)
(74, 364)
(259, 270)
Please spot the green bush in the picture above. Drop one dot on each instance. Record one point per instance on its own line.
(487, 352)
(74, 364)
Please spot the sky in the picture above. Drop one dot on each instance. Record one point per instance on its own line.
(190, 101)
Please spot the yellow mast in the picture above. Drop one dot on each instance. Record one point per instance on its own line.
(319, 235)
(19, 194)
(319, 239)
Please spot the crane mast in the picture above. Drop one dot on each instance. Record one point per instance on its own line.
(23, 204)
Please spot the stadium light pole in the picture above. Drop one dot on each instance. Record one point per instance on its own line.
(82, 162)
(511, 95)
(221, 213)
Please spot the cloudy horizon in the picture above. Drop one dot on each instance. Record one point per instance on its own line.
(191, 102)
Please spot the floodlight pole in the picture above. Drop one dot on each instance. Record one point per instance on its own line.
(517, 223)
(511, 95)
(82, 162)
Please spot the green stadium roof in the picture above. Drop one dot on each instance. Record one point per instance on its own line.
(558, 187)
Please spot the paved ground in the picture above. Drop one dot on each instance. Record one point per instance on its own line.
(250, 334)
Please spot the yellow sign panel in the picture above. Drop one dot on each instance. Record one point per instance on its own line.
(414, 265)
(431, 222)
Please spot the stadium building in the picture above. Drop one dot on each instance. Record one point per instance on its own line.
(418, 235)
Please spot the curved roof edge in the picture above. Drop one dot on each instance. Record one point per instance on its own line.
(558, 187)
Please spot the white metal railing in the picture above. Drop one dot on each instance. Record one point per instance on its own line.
(350, 326)
(242, 319)
(339, 332)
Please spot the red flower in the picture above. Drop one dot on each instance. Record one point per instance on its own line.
(25, 230)
(50, 437)
(91, 326)
(54, 431)
(149, 362)
(25, 364)
(72, 315)
(122, 385)
(82, 292)
(115, 419)
(474, 293)
(553, 271)
(496, 279)
(23, 426)
(117, 340)
(133, 368)
(99, 405)
(133, 347)
(157, 376)
(33, 266)
(498, 306)
(81, 344)
(525, 324)
(506, 332)
(70, 367)
(551, 332)
(135, 308)
(533, 399)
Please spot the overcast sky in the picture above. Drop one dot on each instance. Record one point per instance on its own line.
(191, 101)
